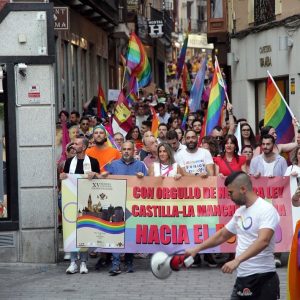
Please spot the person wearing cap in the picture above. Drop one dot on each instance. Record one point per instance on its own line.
(101, 151)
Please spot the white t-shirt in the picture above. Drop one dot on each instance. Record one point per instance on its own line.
(269, 168)
(245, 223)
(196, 162)
(164, 170)
(291, 169)
(180, 148)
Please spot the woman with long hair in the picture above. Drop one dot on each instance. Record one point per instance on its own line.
(247, 151)
(166, 165)
(230, 161)
(294, 169)
(180, 134)
(247, 136)
(173, 123)
(135, 136)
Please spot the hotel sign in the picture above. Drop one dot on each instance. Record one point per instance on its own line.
(156, 28)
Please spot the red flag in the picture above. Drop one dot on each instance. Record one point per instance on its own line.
(122, 120)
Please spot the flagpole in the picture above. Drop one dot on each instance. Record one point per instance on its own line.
(279, 92)
(123, 77)
(223, 84)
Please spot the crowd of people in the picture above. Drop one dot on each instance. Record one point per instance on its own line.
(177, 150)
(232, 150)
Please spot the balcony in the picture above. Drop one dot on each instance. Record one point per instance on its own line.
(217, 16)
(197, 26)
(264, 11)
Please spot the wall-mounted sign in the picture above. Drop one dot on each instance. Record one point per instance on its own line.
(34, 94)
(156, 28)
(61, 18)
(292, 86)
(132, 5)
(265, 61)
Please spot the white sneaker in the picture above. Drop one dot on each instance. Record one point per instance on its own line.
(277, 262)
(67, 256)
(83, 268)
(72, 268)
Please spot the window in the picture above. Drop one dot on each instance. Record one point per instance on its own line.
(263, 11)
(9, 211)
(4, 213)
(216, 9)
(74, 63)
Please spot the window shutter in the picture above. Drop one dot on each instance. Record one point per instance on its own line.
(250, 11)
(278, 7)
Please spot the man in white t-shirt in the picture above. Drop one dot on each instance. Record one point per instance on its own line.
(194, 160)
(254, 224)
(268, 164)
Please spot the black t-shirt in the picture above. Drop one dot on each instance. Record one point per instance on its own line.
(79, 168)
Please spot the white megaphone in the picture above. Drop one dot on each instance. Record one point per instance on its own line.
(162, 264)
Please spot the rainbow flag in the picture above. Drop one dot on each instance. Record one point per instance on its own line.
(132, 97)
(137, 61)
(277, 115)
(186, 80)
(155, 122)
(186, 112)
(181, 57)
(88, 221)
(293, 272)
(101, 105)
(197, 88)
(215, 102)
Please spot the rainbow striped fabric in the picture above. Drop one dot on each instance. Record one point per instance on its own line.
(87, 221)
(197, 88)
(181, 57)
(186, 112)
(101, 105)
(293, 272)
(277, 115)
(132, 96)
(137, 61)
(215, 102)
(110, 140)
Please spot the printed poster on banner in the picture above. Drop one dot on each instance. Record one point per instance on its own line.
(101, 208)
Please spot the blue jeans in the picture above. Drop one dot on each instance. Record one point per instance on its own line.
(116, 260)
(83, 256)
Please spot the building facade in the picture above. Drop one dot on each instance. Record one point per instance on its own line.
(265, 37)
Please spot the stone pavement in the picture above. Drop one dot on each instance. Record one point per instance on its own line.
(25, 281)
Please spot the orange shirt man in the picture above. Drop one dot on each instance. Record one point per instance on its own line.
(103, 153)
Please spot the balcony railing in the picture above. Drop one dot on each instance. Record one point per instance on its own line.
(264, 11)
(197, 26)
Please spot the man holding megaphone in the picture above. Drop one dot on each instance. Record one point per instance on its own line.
(254, 224)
